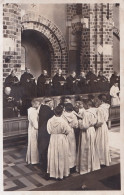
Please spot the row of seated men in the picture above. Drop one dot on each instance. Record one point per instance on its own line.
(58, 85)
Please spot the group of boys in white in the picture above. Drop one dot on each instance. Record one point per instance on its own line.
(88, 153)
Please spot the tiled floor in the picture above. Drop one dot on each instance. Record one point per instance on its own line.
(18, 176)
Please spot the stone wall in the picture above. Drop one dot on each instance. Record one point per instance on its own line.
(11, 34)
(97, 40)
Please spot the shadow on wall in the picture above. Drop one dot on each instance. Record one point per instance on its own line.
(37, 56)
(116, 54)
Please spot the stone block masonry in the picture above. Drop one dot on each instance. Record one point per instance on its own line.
(99, 34)
(12, 31)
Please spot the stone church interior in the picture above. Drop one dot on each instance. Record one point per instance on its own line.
(64, 54)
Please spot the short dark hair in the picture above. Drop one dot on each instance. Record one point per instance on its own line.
(68, 107)
(87, 103)
(58, 110)
(103, 97)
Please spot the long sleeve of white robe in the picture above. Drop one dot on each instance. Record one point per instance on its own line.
(71, 118)
(89, 120)
(33, 117)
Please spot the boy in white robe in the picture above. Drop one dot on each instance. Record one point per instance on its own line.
(87, 158)
(71, 118)
(58, 161)
(32, 156)
(102, 140)
(114, 93)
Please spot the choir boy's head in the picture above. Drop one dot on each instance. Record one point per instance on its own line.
(58, 111)
(103, 98)
(87, 103)
(35, 103)
(69, 107)
(67, 100)
(97, 102)
(79, 104)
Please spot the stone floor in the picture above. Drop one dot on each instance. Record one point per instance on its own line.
(18, 176)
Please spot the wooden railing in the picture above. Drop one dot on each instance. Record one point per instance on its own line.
(19, 125)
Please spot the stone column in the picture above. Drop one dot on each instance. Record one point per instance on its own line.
(97, 40)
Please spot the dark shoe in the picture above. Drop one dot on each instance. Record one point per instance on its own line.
(73, 170)
(46, 176)
(59, 179)
(103, 166)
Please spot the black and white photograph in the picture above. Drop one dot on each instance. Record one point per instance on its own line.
(61, 96)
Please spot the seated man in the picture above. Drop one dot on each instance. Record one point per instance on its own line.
(43, 85)
(11, 80)
(58, 83)
(9, 104)
(71, 83)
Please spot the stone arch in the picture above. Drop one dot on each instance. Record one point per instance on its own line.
(57, 44)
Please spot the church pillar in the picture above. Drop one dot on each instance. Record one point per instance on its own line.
(97, 38)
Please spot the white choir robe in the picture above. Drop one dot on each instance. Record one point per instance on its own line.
(102, 140)
(87, 157)
(58, 160)
(115, 100)
(71, 118)
(32, 156)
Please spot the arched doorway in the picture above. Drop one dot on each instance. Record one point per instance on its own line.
(52, 41)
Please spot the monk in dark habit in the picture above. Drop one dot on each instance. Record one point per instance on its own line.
(28, 82)
(71, 83)
(81, 85)
(103, 84)
(43, 84)
(91, 81)
(11, 80)
(45, 113)
(58, 83)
